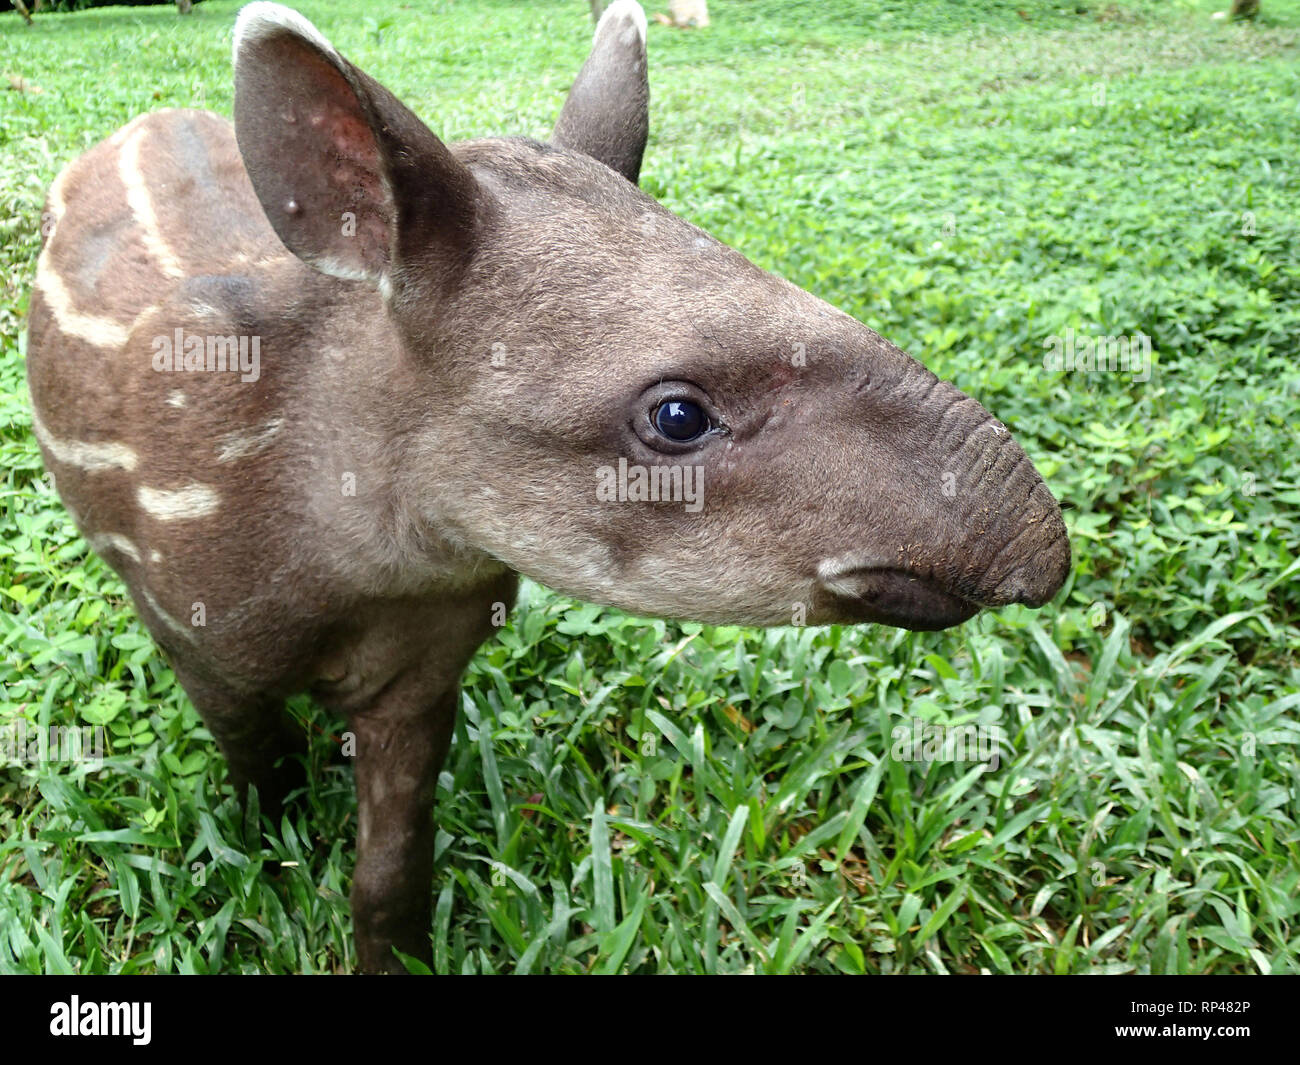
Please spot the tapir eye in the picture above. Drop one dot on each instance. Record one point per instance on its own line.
(680, 420)
(675, 416)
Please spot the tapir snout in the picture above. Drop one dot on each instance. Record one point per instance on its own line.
(971, 523)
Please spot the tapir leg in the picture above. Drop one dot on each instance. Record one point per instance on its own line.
(402, 741)
(262, 744)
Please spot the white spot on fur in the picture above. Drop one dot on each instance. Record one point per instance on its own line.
(90, 328)
(55, 204)
(177, 399)
(94, 330)
(155, 556)
(115, 542)
(180, 630)
(181, 504)
(837, 574)
(240, 444)
(204, 310)
(140, 201)
(129, 129)
(350, 273)
(93, 458)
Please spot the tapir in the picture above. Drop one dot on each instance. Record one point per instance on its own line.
(320, 386)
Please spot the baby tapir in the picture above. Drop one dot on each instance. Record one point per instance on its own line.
(320, 386)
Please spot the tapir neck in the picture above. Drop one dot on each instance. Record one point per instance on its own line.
(354, 401)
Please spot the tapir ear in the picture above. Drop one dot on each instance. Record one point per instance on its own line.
(352, 182)
(607, 114)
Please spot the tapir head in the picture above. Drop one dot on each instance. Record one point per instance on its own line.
(611, 401)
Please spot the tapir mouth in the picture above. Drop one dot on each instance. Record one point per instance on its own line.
(890, 596)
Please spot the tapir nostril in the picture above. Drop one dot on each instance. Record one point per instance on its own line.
(1038, 577)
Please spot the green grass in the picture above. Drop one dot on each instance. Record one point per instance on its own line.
(630, 795)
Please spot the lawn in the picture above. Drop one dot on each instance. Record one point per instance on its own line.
(629, 795)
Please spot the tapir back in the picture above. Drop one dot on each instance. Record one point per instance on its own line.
(158, 403)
